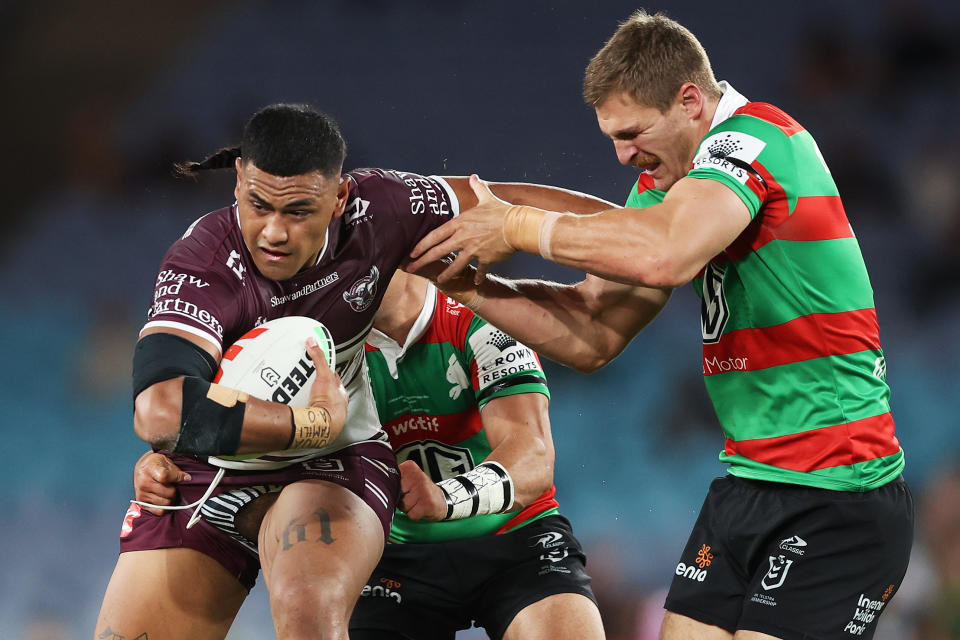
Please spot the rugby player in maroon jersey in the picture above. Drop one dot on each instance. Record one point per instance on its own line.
(412, 593)
(301, 239)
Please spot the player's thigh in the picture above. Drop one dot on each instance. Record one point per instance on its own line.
(562, 616)
(680, 627)
(169, 593)
(318, 533)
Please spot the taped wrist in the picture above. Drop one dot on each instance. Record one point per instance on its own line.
(485, 489)
(211, 418)
(311, 428)
(521, 228)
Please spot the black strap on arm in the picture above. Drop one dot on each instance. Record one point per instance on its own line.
(162, 356)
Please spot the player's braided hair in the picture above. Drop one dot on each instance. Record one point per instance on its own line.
(282, 140)
(222, 159)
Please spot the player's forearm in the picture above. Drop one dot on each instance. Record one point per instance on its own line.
(536, 195)
(518, 430)
(529, 461)
(555, 320)
(224, 421)
(629, 246)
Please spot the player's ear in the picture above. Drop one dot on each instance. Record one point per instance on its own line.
(343, 191)
(238, 165)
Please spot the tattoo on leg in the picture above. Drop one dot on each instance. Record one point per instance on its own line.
(298, 529)
(324, 518)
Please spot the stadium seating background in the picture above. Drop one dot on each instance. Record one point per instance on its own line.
(439, 88)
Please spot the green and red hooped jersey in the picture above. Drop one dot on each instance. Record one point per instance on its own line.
(429, 396)
(791, 348)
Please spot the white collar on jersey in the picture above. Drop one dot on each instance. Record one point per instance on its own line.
(326, 235)
(730, 101)
(391, 350)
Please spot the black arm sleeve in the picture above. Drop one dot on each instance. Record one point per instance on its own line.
(162, 356)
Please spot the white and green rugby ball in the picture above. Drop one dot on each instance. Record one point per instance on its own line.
(270, 362)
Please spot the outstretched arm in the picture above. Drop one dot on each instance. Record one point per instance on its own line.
(517, 428)
(191, 415)
(664, 245)
(583, 326)
(527, 193)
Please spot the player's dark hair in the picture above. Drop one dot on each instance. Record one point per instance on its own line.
(282, 140)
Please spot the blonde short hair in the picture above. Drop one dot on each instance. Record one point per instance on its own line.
(649, 57)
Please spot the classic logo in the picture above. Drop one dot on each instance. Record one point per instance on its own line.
(547, 540)
(779, 566)
(361, 293)
(794, 543)
(714, 311)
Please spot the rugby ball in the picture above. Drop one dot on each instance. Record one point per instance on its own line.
(271, 361)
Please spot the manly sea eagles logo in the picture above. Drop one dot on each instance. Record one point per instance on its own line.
(362, 292)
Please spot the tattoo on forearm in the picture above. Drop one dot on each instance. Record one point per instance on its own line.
(296, 530)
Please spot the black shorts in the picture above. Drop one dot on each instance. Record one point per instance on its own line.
(795, 562)
(429, 591)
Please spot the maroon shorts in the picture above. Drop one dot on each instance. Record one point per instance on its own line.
(368, 469)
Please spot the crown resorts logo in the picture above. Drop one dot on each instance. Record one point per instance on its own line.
(723, 147)
(501, 341)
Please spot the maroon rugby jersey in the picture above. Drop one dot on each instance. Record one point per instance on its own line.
(209, 286)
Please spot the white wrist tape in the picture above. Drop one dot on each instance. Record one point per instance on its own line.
(487, 488)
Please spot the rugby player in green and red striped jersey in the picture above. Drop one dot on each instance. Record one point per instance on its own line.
(810, 533)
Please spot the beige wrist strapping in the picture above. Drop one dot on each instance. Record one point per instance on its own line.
(530, 229)
(311, 428)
